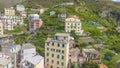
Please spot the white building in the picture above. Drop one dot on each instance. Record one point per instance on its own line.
(5, 61)
(33, 16)
(6, 40)
(33, 62)
(11, 21)
(73, 23)
(27, 50)
(29, 59)
(13, 52)
(52, 13)
(20, 7)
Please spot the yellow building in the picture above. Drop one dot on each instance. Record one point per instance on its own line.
(57, 51)
(9, 11)
(1, 27)
(73, 23)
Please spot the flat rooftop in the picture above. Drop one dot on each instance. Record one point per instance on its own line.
(5, 35)
(62, 34)
(35, 59)
(27, 46)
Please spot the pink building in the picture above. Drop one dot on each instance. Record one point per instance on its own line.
(23, 14)
(35, 24)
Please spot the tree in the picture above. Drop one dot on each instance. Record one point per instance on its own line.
(90, 65)
(108, 56)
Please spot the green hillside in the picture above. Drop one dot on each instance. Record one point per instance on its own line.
(103, 13)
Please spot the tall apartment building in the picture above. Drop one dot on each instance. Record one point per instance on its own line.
(13, 52)
(1, 27)
(73, 23)
(57, 51)
(33, 16)
(9, 11)
(34, 22)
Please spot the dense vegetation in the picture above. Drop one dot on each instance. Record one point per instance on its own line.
(89, 11)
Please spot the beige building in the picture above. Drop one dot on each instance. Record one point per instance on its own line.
(57, 51)
(1, 27)
(42, 10)
(73, 23)
(91, 54)
(9, 11)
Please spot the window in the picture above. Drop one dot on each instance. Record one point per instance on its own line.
(68, 23)
(56, 38)
(58, 45)
(47, 60)
(62, 45)
(57, 62)
(62, 64)
(47, 48)
(48, 43)
(51, 66)
(47, 54)
(63, 51)
(68, 26)
(58, 56)
(62, 57)
(51, 49)
(64, 37)
(52, 61)
(52, 55)
(53, 44)
(59, 51)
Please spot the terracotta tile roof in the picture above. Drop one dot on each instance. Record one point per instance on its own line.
(103, 66)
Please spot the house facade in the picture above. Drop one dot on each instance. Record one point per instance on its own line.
(34, 22)
(57, 51)
(12, 51)
(9, 22)
(29, 58)
(20, 7)
(27, 50)
(73, 23)
(1, 27)
(91, 55)
(6, 40)
(5, 61)
(36, 61)
(9, 11)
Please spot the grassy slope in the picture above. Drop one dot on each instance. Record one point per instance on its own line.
(88, 11)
